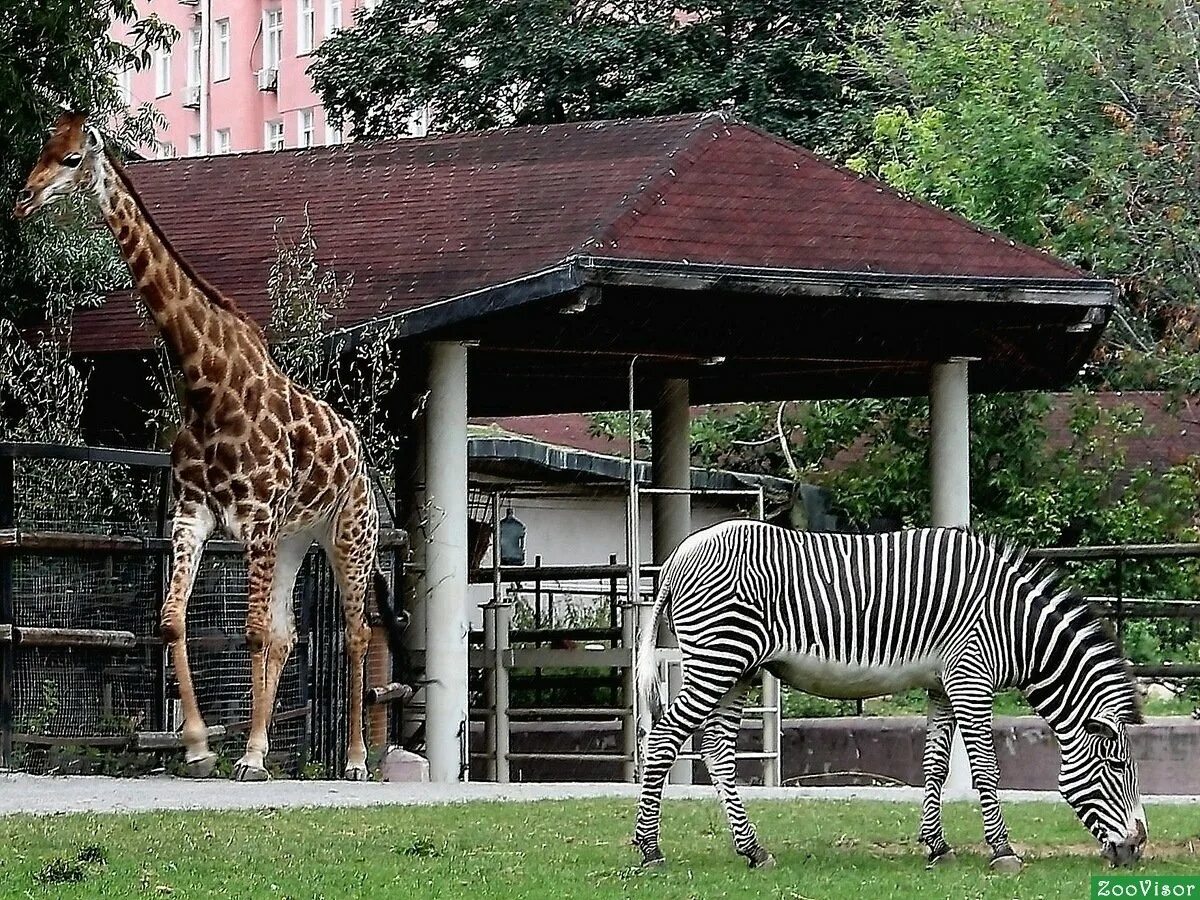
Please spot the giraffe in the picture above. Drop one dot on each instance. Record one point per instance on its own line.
(257, 456)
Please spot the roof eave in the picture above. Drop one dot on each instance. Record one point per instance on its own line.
(577, 271)
(614, 468)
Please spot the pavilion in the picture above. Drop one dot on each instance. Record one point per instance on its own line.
(531, 270)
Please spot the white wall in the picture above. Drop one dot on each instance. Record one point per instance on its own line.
(586, 530)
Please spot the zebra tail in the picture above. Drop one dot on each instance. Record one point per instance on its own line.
(648, 687)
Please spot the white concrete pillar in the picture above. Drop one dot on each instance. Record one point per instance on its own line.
(671, 467)
(949, 463)
(949, 455)
(445, 583)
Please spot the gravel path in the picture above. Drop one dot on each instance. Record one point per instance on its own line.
(57, 794)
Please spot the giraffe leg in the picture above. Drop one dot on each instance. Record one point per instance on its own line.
(705, 683)
(282, 633)
(351, 549)
(972, 706)
(939, 731)
(719, 748)
(192, 525)
(261, 556)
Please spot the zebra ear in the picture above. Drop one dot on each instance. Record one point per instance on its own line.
(1101, 727)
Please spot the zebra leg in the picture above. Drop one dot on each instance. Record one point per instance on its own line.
(939, 732)
(719, 748)
(973, 712)
(701, 692)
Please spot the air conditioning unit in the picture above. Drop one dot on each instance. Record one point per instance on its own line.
(191, 96)
(268, 78)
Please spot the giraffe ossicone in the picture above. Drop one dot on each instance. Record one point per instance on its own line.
(257, 456)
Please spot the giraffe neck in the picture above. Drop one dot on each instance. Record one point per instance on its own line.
(195, 321)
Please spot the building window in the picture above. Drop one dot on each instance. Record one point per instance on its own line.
(166, 150)
(221, 143)
(304, 122)
(333, 16)
(125, 85)
(193, 145)
(193, 70)
(274, 135)
(272, 38)
(306, 27)
(221, 57)
(333, 134)
(162, 72)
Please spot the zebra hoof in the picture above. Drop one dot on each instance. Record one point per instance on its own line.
(653, 859)
(200, 767)
(940, 859)
(1008, 864)
(762, 860)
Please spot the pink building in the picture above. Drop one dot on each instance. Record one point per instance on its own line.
(235, 80)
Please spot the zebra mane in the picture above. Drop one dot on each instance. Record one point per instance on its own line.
(1062, 602)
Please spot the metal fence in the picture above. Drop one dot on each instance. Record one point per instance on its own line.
(84, 563)
(1125, 600)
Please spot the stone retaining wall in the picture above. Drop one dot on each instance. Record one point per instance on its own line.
(821, 751)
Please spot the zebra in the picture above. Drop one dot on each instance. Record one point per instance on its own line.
(852, 616)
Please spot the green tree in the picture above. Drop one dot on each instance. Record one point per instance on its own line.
(486, 63)
(1072, 126)
(56, 54)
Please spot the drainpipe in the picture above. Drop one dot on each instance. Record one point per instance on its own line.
(205, 72)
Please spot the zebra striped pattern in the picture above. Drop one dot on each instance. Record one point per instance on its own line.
(850, 616)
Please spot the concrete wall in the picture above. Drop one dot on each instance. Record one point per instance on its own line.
(822, 751)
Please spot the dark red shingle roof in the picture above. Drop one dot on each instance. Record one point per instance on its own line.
(416, 221)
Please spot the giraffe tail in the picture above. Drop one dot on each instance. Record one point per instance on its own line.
(395, 622)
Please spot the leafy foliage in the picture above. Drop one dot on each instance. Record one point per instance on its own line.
(482, 64)
(1071, 126)
(357, 372)
(304, 303)
(56, 54)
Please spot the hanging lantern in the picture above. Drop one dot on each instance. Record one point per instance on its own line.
(512, 540)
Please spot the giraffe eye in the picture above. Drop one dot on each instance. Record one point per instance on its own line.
(72, 159)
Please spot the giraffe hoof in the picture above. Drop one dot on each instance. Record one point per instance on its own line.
(940, 859)
(1008, 864)
(355, 772)
(200, 767)
(762, 860)
(247, 772)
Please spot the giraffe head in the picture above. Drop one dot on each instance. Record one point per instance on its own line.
(69, 162)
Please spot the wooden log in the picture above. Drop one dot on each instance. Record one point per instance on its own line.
(89, 638)
(299, 712)
(75, 740)
(170, 740)
(395, 692)
(1168, 670)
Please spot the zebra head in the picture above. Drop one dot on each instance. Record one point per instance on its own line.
(1099, 780)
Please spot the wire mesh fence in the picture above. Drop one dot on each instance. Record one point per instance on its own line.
(84, 563)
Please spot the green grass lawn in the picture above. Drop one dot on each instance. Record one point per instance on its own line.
(825, 849)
